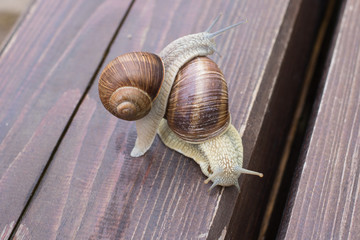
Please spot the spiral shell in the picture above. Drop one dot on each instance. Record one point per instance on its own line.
(130, 83)
(198, 103)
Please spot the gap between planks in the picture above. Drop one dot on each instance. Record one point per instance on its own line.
(315, 63)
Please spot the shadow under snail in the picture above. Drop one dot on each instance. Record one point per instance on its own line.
(181, 95)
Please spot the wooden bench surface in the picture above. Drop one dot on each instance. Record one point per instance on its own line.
(325, 202)
(65, 165)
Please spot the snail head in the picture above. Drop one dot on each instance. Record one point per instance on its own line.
(228, 177)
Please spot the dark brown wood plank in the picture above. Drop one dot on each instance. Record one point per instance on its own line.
(94, 190)
(44, 70)
(325, 203)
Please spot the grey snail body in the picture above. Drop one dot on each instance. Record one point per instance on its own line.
(215, 145)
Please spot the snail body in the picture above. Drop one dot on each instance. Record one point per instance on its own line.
(220, 158)
(198, 124)
(202, 130)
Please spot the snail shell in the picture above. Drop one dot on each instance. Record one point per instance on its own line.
(198, 103)
(130, 83)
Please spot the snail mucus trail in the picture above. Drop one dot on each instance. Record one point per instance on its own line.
(190, 91)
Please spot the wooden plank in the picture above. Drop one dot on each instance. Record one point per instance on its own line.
(93, 189)
(44, 70)
(325, 203)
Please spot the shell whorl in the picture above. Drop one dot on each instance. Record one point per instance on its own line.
(198, 103)
(175, 55)
(130, 83)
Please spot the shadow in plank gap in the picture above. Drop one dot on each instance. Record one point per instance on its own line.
(302, 123)
(10, 11)
(22, 233)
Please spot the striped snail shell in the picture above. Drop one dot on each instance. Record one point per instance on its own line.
(198, 103)
(130, 83)
(197, 108)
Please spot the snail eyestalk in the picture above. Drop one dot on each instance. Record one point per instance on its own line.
(213, 23)
(217, 33)
(217, 52)
(249, 172)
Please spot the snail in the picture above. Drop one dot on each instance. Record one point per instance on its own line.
(181, 95)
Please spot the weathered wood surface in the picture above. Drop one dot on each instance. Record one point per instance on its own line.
(93, 189)
(44, 70)
(325, 202)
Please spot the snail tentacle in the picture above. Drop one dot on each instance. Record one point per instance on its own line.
(212, 177)
(236, 183)
(215, 183)
(249, 172)
(213, 23)
(219, 32)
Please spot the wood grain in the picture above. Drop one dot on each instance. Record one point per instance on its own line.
(325, 203)
(44, 70)
(93, 189)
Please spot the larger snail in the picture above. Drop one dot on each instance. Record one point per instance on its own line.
(181, 95)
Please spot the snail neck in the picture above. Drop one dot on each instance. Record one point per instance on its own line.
(183, 49)
(222, 155)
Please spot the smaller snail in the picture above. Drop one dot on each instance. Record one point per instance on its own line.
(183, 96)
(130, 84)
